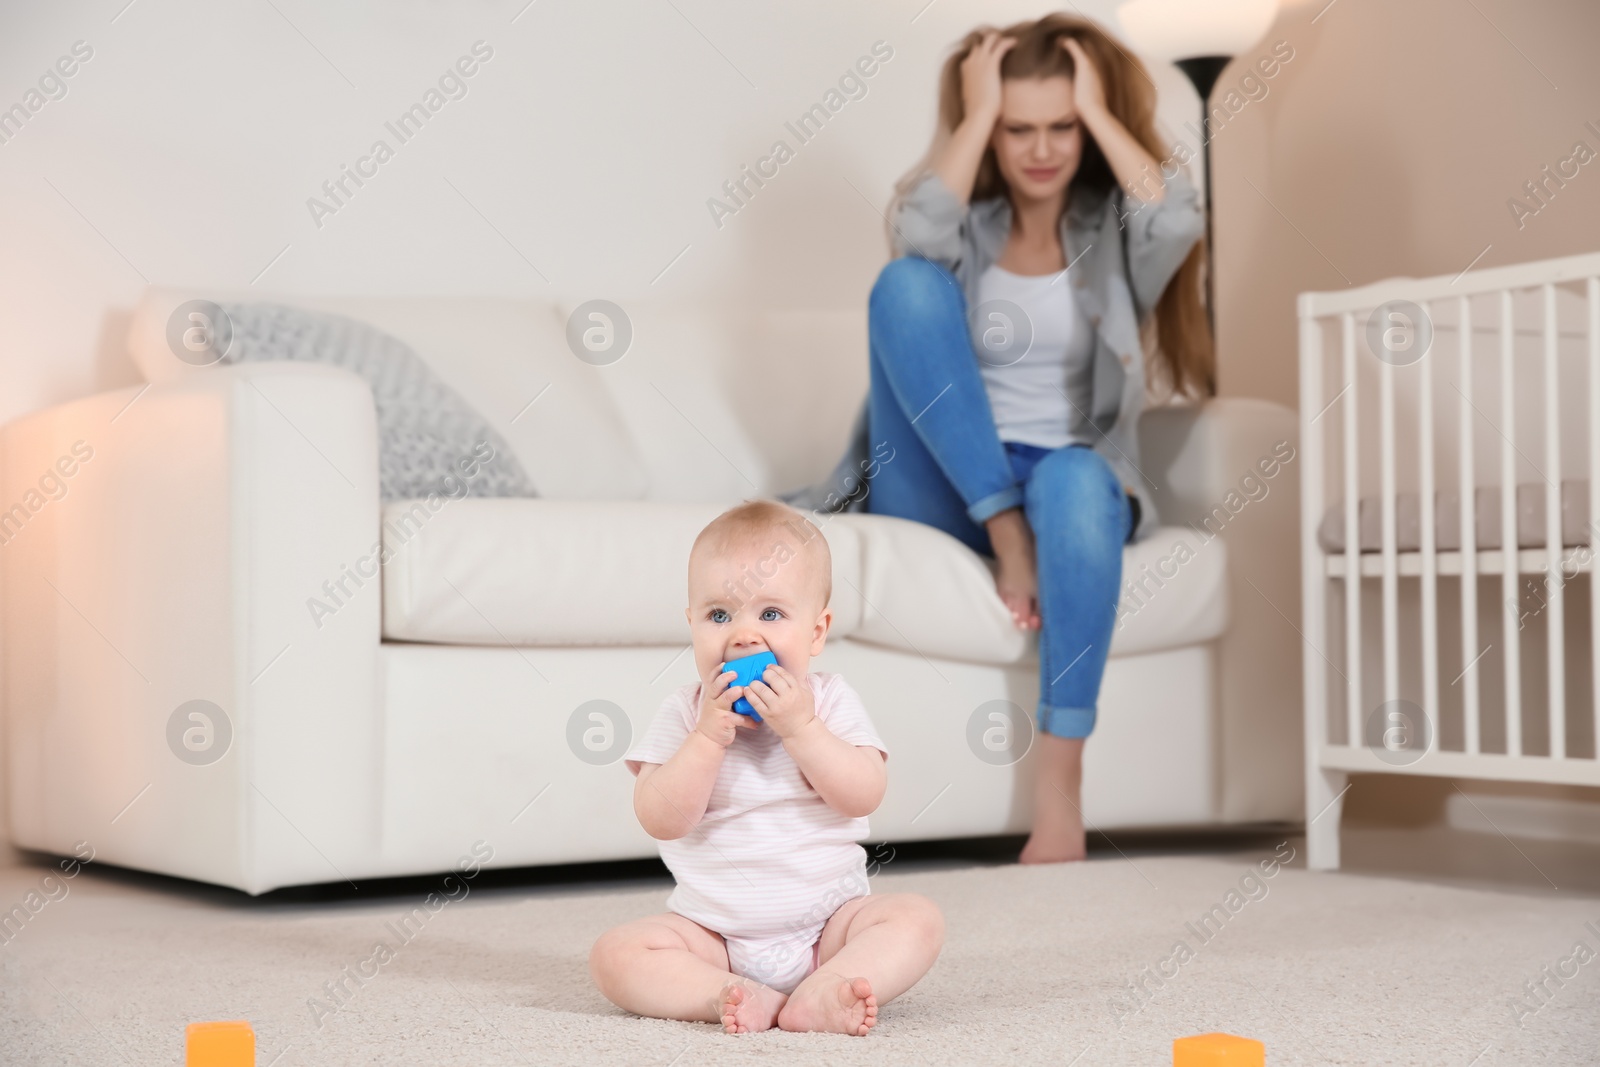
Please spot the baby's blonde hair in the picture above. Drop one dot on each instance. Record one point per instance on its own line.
(745, 526)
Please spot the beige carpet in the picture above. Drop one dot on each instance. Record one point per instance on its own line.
(1326, 969)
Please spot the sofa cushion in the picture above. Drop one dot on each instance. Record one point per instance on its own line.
(697, 390)
(927, 593)
(508, 358)
(547, 572)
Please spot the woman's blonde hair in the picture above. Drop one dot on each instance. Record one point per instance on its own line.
(1183, 337)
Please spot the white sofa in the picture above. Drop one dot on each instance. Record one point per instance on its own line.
(433, 709)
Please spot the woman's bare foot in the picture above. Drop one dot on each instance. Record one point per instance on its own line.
(1017, 581)
(748, 1011)
(844, 1006)
(1057, 835)
(1062, 844)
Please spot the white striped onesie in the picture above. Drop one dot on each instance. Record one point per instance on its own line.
(770, 861)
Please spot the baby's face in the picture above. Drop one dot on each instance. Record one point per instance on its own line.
(753, 599)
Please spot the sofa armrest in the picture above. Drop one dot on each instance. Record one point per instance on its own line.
(1229, 468)
(164, 545)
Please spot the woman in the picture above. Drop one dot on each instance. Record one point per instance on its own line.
(1041, 236)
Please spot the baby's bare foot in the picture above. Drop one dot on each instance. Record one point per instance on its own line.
(750, 1010)
(832, 1005)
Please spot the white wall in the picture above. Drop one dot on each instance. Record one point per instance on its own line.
(1392, 145)
(186, 148)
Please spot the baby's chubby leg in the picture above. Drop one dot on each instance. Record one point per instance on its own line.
(873, 949)
(671, 967)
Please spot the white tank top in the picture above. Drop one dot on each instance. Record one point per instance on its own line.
(1034, 349)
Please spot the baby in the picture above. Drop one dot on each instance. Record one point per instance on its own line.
(771, 923)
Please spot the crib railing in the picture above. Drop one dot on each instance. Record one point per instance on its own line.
(1415, 404)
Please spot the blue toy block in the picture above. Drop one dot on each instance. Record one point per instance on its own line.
(748, 669)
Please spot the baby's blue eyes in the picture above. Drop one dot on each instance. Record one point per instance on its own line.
(720, 615)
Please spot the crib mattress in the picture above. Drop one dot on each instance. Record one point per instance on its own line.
(1447, 519)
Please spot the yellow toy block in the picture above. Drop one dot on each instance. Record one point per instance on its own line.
(1218, 1050)
(228, 1044)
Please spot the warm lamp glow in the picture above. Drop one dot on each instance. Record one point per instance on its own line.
(1181, 29)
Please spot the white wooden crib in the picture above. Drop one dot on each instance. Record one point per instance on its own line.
(1427, 650)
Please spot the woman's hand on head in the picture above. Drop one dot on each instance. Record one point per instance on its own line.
(1088, 91)
(980, 77)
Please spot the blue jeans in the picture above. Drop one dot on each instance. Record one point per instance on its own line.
(952, 471)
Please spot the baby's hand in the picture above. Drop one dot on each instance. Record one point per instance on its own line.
(718, 720)
(783, 703)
